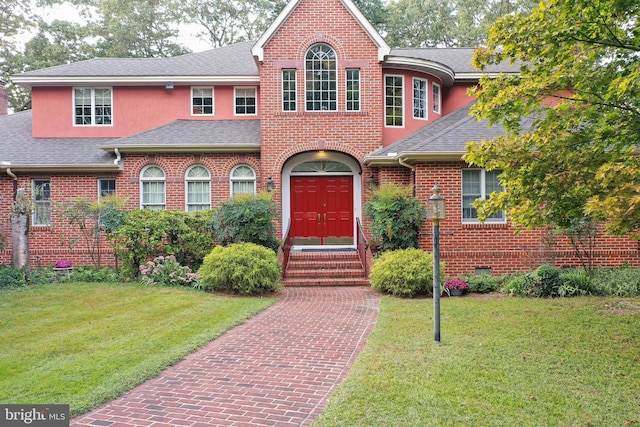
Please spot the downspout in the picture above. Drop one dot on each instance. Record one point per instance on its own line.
(413, 173)
(118, 157)
(15, 183)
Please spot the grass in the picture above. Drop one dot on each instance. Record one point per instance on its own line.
(509, 361)
(83, 344)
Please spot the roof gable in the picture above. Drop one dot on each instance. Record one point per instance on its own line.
(376, 38)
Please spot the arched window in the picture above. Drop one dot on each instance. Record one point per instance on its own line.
(198, 188)
(320, 73)
(243, 180)
(152, 188)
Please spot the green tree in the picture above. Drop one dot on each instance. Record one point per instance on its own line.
(15, 18)
(572, 115)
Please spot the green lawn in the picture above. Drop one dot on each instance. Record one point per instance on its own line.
(502, 362)
(83, 344)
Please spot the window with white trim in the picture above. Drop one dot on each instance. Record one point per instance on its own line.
(393, 101)
(321, 78)
(202, 101)
(419, 98)
(243, 180)
(436, 98)
(92, 106)
(246, 101)
(479, 184)
(198, 188)
(353, 89)
(152, 188)
(289, 90)
(106, 187)
(41, 190)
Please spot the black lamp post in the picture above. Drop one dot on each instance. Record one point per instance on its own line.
(436, 212)
(270, 184)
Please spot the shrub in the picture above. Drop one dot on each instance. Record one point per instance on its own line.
(575, 282)
(403, 273)
(246, 218)
(485, 283)
(396, 217)
(241, 268)
(623, 282)
(146, 234)
(519, 285)
(547, 281)
(166, 271)
(89, 274)
(11, 278)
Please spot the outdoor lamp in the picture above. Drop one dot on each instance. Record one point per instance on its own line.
(436, 212)
(372, 182)
(270, 184)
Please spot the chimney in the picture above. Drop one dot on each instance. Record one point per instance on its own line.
(4, 100)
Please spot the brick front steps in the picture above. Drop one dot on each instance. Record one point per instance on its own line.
(335, 268)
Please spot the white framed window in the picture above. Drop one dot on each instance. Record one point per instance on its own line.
(106, 187)
(152, 188)
(202, 101)
(479, 184)
(243, 180)
(394, 101)
(321, 79)
(353, 89)
(246, 101)
(420, 98)
(436, 98)
(92, 106)
(289, 90)
(198, 188)
(41, 190)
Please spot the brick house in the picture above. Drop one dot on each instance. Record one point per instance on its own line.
(318, 108)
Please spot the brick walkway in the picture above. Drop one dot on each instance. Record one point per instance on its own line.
(277, 369)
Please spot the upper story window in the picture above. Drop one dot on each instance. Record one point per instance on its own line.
(106, 187)
(92, 106)
(353, 90)
(198, 188)
(152, 188)
(246, 101)
(41, 190)
(419, 98)
(289, 93)
(202, 101)
(393, 100)
(479, 184)
(436, 98)
(243, 180)
(321, 78)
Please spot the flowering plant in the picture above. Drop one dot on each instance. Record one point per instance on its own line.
(456, 283)
(63, 263)
(165, 270)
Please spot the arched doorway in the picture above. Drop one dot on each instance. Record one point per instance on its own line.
(321, 199)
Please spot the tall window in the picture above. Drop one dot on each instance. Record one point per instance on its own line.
(198, 181)
(419, 98)
(243, 180)
(393, 100)
(106, 187)
(353, 90)
(202, 101)
(246, 101)
(152, 183)
(92, 107)
(436, 98)
(479, 184)
(289, 90)
(321, 78)
(41, 190)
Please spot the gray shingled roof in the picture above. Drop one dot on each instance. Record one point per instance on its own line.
(25, 152)
(194, 135)
(232, 60)
(448, 135)
(458, 59)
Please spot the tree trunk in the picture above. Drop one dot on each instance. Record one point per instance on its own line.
(20, 241)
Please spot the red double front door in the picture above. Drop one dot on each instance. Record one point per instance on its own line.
(322, 210)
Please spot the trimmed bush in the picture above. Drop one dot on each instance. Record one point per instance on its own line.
(241, 268)
(485, 283)
(11, 278)
(548, 281)
(404, 273)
